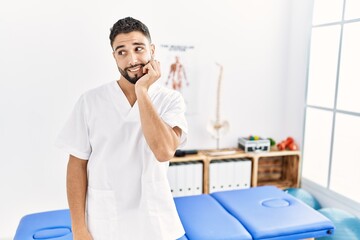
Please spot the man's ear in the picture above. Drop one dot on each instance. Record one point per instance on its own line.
(152, 49)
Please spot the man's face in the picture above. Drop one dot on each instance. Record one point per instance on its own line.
(132, 51)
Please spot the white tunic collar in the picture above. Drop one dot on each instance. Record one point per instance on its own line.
(128, 112)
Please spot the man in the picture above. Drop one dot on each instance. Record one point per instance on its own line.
(120, 137)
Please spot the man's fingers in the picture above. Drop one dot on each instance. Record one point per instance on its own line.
(146, 67)
(153, 65)
(156, 65)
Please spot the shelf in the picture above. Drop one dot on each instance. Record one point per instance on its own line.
(278, 168)
(191, 157)
(280, 184)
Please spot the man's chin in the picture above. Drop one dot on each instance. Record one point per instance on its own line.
(132, 80)
(135, 77)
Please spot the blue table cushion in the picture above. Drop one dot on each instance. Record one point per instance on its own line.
(270, 213)
(45, 225)
(204, 218)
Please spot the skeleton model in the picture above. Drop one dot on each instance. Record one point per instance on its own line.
(218, 127)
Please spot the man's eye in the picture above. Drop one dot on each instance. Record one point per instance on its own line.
(138, 49)
(121, 52)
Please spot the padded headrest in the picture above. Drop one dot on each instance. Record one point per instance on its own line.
(52, 233)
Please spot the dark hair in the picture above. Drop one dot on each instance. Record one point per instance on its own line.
(127, 25)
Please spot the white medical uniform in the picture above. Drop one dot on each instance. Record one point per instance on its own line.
(128, 194)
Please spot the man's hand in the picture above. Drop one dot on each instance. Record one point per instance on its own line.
(151, 74)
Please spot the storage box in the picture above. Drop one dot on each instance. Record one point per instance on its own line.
(260, 145)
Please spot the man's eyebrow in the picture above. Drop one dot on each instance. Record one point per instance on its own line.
(120, 46)
(135, 43)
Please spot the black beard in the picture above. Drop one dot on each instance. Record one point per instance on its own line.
(125, 74)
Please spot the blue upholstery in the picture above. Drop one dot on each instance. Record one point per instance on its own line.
(304, 196)
(45, 225)
(54, 225)
(269, 213)
(204, 218)
(261, 213)
(347, 225)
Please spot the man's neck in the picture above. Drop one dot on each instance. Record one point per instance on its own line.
(128, 89)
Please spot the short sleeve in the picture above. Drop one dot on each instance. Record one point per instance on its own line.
(74, 137)
(174, 116)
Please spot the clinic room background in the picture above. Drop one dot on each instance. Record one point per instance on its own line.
(53, 51)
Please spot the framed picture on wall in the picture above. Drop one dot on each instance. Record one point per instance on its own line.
(179, 71)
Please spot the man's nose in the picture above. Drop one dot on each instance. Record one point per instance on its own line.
(132, 59)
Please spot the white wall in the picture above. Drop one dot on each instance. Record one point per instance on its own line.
(297, 66)
(52, 51)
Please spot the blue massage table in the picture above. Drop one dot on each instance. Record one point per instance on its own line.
(260, 213)
(45, 225)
